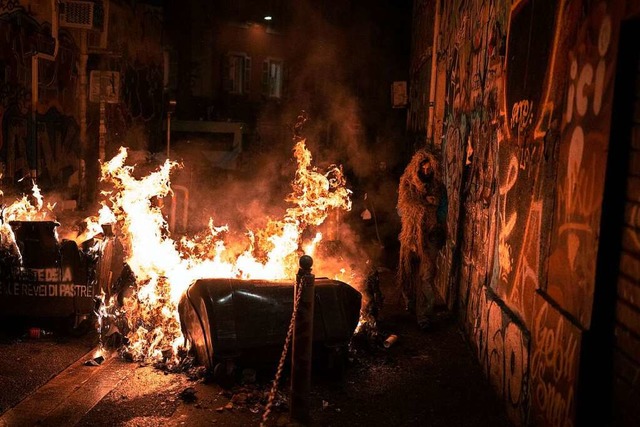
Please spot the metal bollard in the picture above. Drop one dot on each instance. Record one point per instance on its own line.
(302, 342)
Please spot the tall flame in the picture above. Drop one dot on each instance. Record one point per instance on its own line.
(22, 209)
(165, 268)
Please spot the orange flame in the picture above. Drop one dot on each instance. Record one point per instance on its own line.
(22, 209)
(165, 268)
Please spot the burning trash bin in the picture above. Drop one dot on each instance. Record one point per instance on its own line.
(248, 320)
(44, 278)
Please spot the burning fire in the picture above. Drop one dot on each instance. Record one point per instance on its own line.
(23, 209)
(164, 268)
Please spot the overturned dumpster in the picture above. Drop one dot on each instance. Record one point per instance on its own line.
(247, 320)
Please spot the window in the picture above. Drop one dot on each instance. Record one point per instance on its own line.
(237, 73)
(272, 78)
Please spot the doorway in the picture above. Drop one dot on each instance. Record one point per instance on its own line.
(611, 346)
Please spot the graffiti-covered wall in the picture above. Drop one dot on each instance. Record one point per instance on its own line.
(49, 147)
(41, 138)
(524, 97)
(131, 52)
(135, 40)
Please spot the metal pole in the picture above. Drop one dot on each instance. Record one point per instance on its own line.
(168, 134)
(302, 346)
(434, 72)
(83, 196)
(33, 126)
(102, 129)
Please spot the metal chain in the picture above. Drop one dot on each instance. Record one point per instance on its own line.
(283, 356)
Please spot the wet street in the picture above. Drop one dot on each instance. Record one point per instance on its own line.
(424, 378)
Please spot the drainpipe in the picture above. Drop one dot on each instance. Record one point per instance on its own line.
(168, 134)
(434, 66)
(33, 127)
(35, 79)
(102, 128)
(82, 112)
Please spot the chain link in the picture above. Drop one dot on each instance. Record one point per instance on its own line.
(283, 356)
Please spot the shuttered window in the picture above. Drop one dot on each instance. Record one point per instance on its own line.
(272, 78)
(236, 73)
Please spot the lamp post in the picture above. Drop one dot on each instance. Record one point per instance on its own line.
(171, 107)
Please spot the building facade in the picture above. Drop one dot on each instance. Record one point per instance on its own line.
(80, 79)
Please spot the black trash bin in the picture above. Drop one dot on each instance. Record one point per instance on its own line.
(248, 320)
(50, 279)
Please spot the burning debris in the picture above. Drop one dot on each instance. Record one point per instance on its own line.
(159, 269)
(136, 292)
